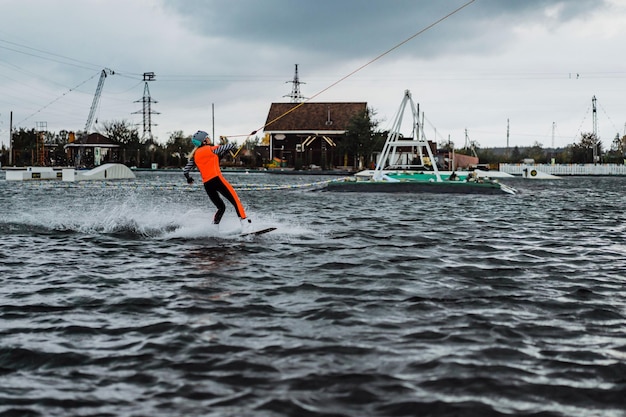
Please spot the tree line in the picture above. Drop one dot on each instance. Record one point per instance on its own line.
(133, 150)
(362, 141)
(589, 149)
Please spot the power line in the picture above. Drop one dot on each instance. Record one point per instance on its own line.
(62, 59)
(58, 98)
(458, 9)
(47, 53)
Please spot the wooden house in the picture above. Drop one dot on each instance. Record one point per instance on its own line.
(305, 135)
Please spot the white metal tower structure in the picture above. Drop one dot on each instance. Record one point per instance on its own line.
(296, 96)
(396, 143)
(96, 99)
(147, 107)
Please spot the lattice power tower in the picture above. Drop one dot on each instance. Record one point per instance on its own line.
(147, 107)
(296, 96)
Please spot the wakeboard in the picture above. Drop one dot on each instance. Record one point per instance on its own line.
(259, 232)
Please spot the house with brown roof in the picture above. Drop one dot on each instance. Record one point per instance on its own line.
(307, 134)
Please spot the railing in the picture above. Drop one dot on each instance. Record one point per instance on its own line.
(566, 169)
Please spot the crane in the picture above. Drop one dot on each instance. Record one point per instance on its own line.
(96, 99)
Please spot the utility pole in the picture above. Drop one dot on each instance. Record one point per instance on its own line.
(11, 139)
(507, 137)
(469, 144)
(147, 106)
(595, 130)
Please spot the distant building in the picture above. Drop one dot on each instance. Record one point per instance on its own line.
(307, 134)
(460, 161)
(92, 150)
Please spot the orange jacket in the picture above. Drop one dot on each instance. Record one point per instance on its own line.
(207, 159)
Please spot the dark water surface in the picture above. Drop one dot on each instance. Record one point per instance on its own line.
(120, 299)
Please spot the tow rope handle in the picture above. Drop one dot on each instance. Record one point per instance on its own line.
(234, 155)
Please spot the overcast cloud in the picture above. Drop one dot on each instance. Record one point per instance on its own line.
(536, 63)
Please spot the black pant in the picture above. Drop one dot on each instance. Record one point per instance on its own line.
(214, 187)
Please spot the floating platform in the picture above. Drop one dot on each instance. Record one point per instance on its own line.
(33, 173)
(415, 186)
(102, 172)
(405, 165)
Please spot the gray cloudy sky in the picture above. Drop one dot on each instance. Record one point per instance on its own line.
(537, 63)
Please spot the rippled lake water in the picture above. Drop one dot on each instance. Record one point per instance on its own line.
(121, 299)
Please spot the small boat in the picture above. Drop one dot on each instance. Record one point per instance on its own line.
(408, 165)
